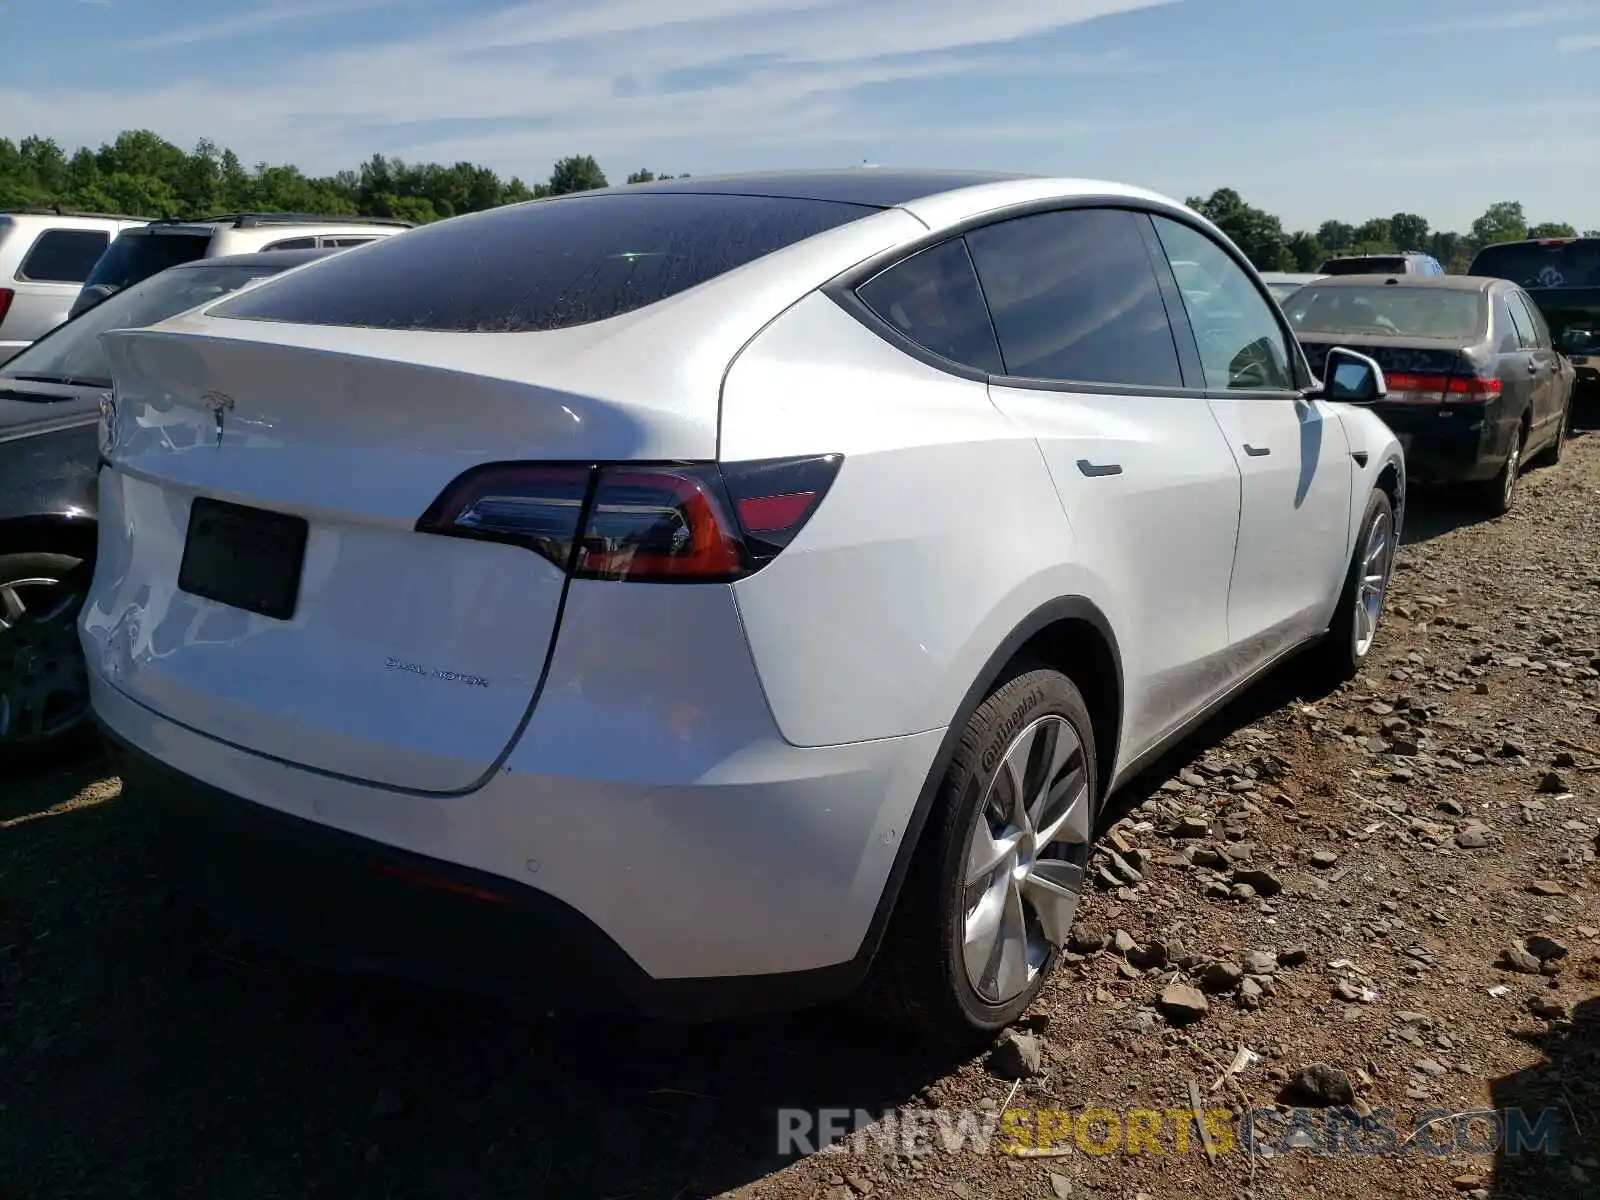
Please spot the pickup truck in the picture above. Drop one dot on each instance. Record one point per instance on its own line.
(1562, 277)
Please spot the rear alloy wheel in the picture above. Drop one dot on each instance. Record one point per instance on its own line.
(1500, 493)
(992, 892)
(44, 688)
(1366, 587)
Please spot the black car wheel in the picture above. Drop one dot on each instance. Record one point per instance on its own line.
(44, 687)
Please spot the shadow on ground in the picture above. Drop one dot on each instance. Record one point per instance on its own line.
(145, 1052)
(1564, 1089)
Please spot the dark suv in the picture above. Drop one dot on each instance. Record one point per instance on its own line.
(1562, 277)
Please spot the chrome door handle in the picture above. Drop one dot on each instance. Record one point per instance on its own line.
(1095, 470)
(1533, 367)
(1256, 451)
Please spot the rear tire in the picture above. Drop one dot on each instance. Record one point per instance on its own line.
(1500, 493)
(941, 972)
(1354, 629)
(44, 688)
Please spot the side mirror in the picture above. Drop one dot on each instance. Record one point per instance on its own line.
(1574, 341)
(1351, 378)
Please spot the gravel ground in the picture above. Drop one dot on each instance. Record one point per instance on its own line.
(1382, 898)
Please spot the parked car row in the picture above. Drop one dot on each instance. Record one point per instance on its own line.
(718, 594)
(54, 263)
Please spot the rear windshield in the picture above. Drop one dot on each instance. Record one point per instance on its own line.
(1531, 265)
(1388, 309)
(139, 254)
(71, 353)
(1364, 266)
(548, 264)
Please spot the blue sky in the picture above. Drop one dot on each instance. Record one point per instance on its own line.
(1310, 110)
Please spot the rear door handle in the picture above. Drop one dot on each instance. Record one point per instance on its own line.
(1533, 366)
(1095, 470)
(1256, 451)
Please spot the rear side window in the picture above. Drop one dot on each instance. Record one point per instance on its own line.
(933, 298)
(1075, 299)
(300, 243)
(1542, 264)
(137, 255)
(347, 241)
(64, 255)
(549, 264)
(1529, 327)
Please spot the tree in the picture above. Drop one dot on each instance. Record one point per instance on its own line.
(1336, 236)
(1308, 252)
(1374, 235)
(642, 177)
(1256, 232)
(1502, 221)
(1408, 231)
(1552, 229)
(577, 173)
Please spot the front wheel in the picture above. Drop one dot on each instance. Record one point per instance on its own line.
(996, 879)
(1366, 587)
(44, 689)
(1558, 447)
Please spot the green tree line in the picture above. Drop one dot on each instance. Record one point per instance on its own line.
(1271, 247)
(142, 174)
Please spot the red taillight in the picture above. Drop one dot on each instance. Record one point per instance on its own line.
(655, 524)
(6, 296)
(1408, 388)
(1472, 388)
(439, 883)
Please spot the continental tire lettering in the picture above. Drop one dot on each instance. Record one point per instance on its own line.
(1009, 729)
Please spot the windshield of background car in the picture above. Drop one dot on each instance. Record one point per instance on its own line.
(1283, 290)
(1392, 310)
(72, 352)
(1364, 266)
(1537, 265)
(139, 254)
(547, 264)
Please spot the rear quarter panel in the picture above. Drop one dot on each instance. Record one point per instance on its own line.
(941, 534)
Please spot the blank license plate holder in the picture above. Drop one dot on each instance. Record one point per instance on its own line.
(244, 557)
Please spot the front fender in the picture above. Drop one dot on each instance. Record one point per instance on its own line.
(1375, 449)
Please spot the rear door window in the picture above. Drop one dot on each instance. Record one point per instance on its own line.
(548, 264)
(300, 243)
(1519, 320)
(1076, 300)
(933, 299)
(1529, 312)
(63, 255)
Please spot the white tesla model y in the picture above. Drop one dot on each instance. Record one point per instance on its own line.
(715, 594)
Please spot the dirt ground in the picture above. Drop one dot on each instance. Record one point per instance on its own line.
(1419, 918)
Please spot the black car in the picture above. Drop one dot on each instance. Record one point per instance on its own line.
(1476, 387)
(50, 396)
(1562, 277)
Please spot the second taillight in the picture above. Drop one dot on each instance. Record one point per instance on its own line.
(698, 523)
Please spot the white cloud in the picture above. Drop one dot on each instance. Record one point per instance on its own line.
(245, 23)
(1579, 43)
(532, 81)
